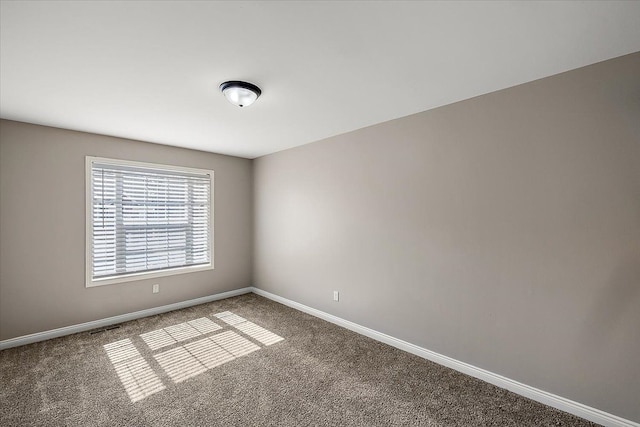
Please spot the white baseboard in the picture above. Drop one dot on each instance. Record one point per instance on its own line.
(558, 402)
(73, 329)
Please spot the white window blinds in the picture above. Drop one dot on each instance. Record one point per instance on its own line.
(148, 219)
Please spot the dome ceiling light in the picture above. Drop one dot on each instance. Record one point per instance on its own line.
(240, 93)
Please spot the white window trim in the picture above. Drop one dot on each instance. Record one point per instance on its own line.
(89, 280)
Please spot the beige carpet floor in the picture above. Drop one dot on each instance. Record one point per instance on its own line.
(245, 361)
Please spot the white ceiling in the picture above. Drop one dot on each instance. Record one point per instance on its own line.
(151, 70)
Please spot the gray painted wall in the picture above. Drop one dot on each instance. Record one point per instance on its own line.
(42, 229)
(502, 231)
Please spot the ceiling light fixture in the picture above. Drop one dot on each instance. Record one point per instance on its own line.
(239, 93)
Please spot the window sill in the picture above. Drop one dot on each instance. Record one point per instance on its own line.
(91, 283)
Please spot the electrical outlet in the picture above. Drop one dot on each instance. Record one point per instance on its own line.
(156, 288)
(336, 296)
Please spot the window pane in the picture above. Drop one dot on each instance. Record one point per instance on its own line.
(146, 219)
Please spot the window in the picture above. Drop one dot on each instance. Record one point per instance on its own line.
(146, 220)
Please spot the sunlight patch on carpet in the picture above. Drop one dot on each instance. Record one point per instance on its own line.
(234, 343)
(258, 333)
(137, 376)
(204, 325)
(209, 353)
(179, 364)
(158, 339)
(229, 318)
(181, 332)
(196, 357)
(188, 357)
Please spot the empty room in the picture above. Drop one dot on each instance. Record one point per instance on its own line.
(320, 213)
